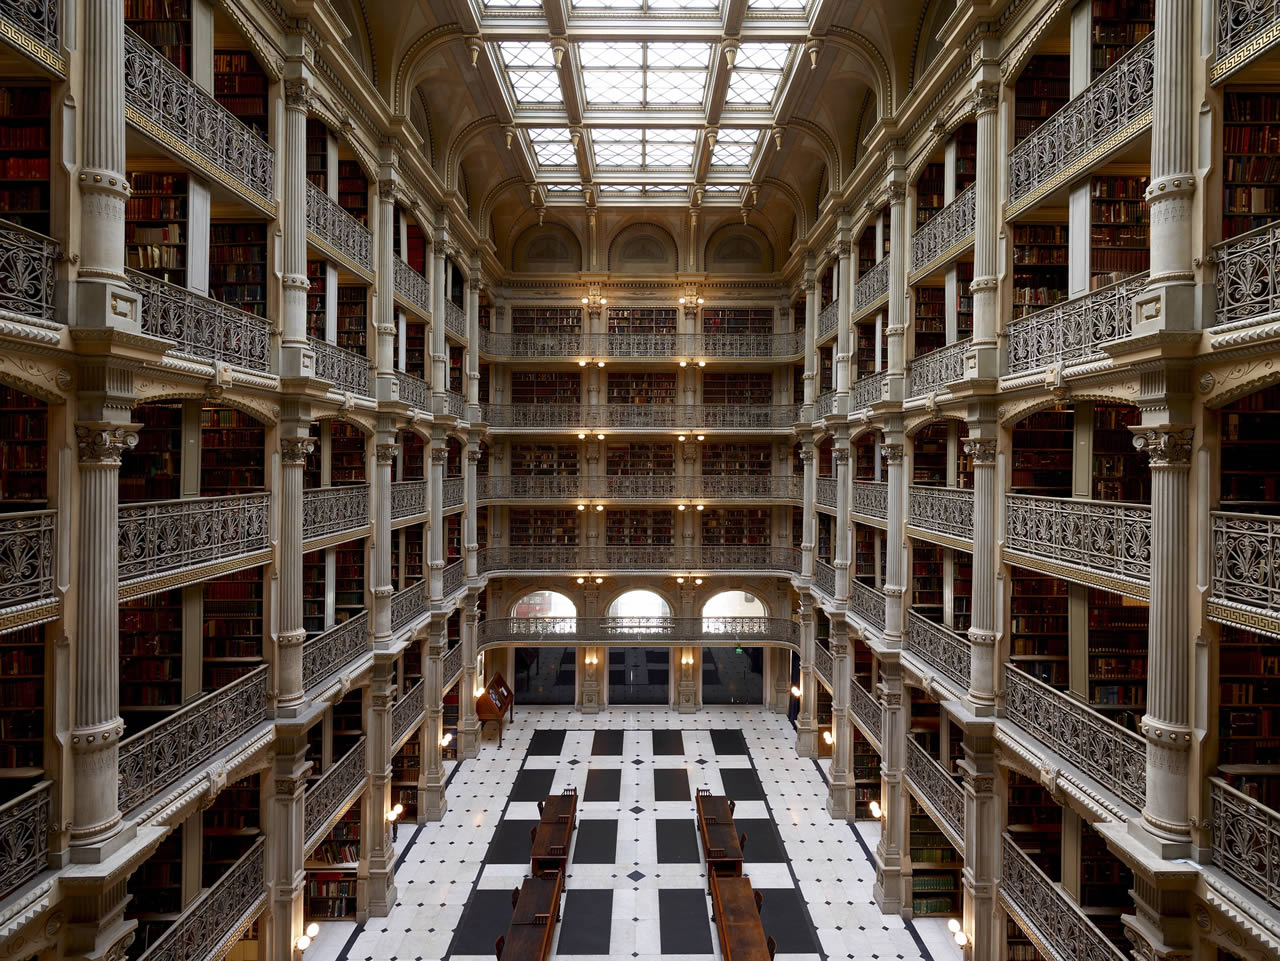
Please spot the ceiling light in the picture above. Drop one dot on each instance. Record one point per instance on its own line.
(599, 580)
(302, 943)
(697, 580)
(599, 436)
(702, 437)
(582, 580)
(953, 925)
(680, 508)
(684, 363)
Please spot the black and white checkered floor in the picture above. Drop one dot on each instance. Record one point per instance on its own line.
(636, 885)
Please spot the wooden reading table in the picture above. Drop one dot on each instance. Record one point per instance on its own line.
(742, 936)
(536, 910)
(552, 837)
(720, 841)
(559, 807)
(495, 701)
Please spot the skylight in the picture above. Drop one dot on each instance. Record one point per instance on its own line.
(553, 147)
(624, 73)
(789, 6)
(642, 189)
(757, 71)
(657, 148)
(513, 4)
(531, 71)
(734, 147)
(563, 188)
(646, 4)
(722, 188)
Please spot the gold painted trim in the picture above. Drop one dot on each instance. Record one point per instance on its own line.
(155, 583)
(932, 808)
(409, 520)
(1254, 619)
(871, 308)
(338, 537)
(32, 48)
(869, 519)
(313, 843)
(936, 537)
(1257, 45)
(39, 612)
(409, 305)
(953, 251)
(413, 729)
(315, 240)
(243, 925)
(1117, 585)
(1028, 929)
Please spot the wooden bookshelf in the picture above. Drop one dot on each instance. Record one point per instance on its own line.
(929, 455)
(1018, 946)
(150, 659)
(348, 722)
(1120, 471)
(313, 592)
(453, 537)
(728, 458)
(1043, 444)
(1117, 657)
(737, 320)
(353, 190)
(637, 387)
(1105, 883)
(866, 250)
(24, 154)
(930, 192)
(415, 348)
(414, 568)
(311, 473)
(155, 892)
(233, 627)
(642, 320)
(482, 528)
(416, 248)
(964, 300)
(966, 139)
(348, 580)
(406, 767)
(797, 383)
(155, 230)
(231, 824)
(24, 425)
(736, 526)
(866, 775)
(317, 293)
(1034, 821)
(353, 318)
(1039, 267)
(457, 353)
(238, 265)
(926, 580)
(865, 355)
(544, 460)
(546, 387)
(825, 526)
(737, 387)
(232, 452)
(166, 25)
(639, 527)
(318, 154)
(1121, 230)
(542, 527)
(1250, 159)
(864, 457)
(241, 85)
(1250, 427)
(864, 553)
(151, 470)
(1039, 638)
(797, 527)
(826, 367)
(1042, 89)
(22, 672)
(346, 454)
(413, 454)
(546, 320)
(935, 867)
(640, 459)
(1249, 714)
(931, 319)
(331, 870)
(1118, 26)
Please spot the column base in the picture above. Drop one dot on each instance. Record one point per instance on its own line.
(687, 702)
(432, 802)
(806, 739)
(887, 891)
(380, 891)
(838, 798)
(469, 740)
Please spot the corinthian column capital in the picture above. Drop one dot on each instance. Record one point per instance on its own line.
(1167, 445)
(102, 443)
(294, 450)
(387, 453)
(981, 449)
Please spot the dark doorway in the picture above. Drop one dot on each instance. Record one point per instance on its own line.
(733, 675)
(544, 675)
(639, 675)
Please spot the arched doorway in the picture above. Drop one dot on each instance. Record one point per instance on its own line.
(639, 675)
(732, 675)
(545, 675)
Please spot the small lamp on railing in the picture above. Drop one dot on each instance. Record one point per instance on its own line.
(877, 812)
(307, 936)
(393, 818)
(957, 932)
(826, 736)
(795, 690)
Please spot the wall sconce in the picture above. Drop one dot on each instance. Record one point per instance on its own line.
(305, 939)
(444, 742)
(877, 811)
(697, 580)
(599, 580)
(582, 436)
(582, 507)
(957, 932)
(700, 506)
(702, 437)
(599, 436)
(686, 659)
(599, 507)
(795, 690)
(392, 817)
(681, 507)
(684, 363)
(826, 736)
(582, 580)
(682, 437)
(680, 580)
(702, 363)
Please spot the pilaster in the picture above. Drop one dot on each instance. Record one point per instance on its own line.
(380, 888)
(844, 290)
(806, 722)
(286, 841)
(590, 699)
(895, 538)
(439, 294)
(898, 250)
(296, 359)
(436, 464)
(982, 818)
(842, 526)
(432, 802)
(295, 445)
(984, 286)
(839, 781)
(384, 280)
(474, 284)
(809, 534)
(810, 337)
(468, 723)
(470, 536)
(891, 891)
(981, 446)
(383, 590)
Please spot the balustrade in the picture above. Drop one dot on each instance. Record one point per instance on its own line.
(673, 416)
(1246, 561)
(412, 288)
(621, 344)
(162, 536)
(534, 487)
(454, 404)
(940, 647)
(408, 499)
(944, 510)
(945, 232)
(749, 557)
(867, 601)
(343, 368)
(450, 667)
(408, 604)
(1092, 124)
(24, 837)
(867, 391)
(1109, 537)
(871, 288)
(751, 485)
(28, 271)
(871, 499)
(674, 631)
(327, 653)
(156, 757)
(933, 784)
(1074, 331)
(622, 486)
(453, 492)
(822, 665)
(824, 405)
(1110, 754)
(26, 558)
(336, 229)
(640, 485)
(334, 510)
(824, 577)
(1246, 839)
(201, 326)
(540, 344)
(414, 391)
(455, 320)
(1247, 277)
(718, 344)
(828, 317)
(744, 344)
(865, 707)
(408, 711)
(938, 369)
(453, 578)
(327, 796)
(37, 20)
(1245, 29)
(827, 494)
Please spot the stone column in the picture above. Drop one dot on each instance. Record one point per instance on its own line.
(840, 780)
(809, 535)
(981, 446)
(383, 589)
(435, 528)
(381, 886)
(1167, 722)
(841, 528)
(286, 840)
(296, 359)
(474, 283)
(295, 445)
(889, 892)
(97, 727)
(439, 294)
(806, 724)
(1173, 117)
(895, 575)
(986, 205)
(468, 723)
(470, 536)
(844, 342)
(810, 337)
(686, 659)
(982, 818)
(385, 283)
(781, 699)
(590, 660)
(898, 320)
(432, 802)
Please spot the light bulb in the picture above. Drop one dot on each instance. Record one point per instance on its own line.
(398, 810)
(684, 363)
(599, 507)
(877, 812)
(699, 300)
(697, 580)
(582, 580)
(699, 506)
(582, 363)
(702, 437)
(312, 929)
(953, 925)
(599, 436)
(826, 736)
(584, 300)
(682, 300)
(599, 580)
(680, 580)
(302, 943)
(582, 437)
(447, 739)
(582, 507)
(680, 437)
(604, 300)
(599, 363)
(702, 363)
(680, 508)
(392, 815)
(795, 691)
(961, 938)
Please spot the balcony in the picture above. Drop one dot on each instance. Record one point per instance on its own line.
(202, 327)
(407, 712)
(946, 233)
(1094, 123)
(947, 511)
(1248, 278)
(191, 535)
(155, 758)
(28, 273)
(408, 499)
(166, 104)
(455, 405)
(1113, 756)
(549, 487)
(735, 486)
(744, 557)
(33, 27)
(824, 405)
(337, 233)
(828, 495)
(652, 631)
(331, 793)
(868, 602)
(937, 370)
(26, 566)
(455, 320)
(412, 289)
(450, 667)
(453, 578)
(1246, 840)
(872, 289)
(549, 344)
(567, 345)
(871, 499)
(327, 511)
(824, 577)
(867, 391)
(1246, 571)
(931, 784)
(407, 605)
(1075, 331)
(345, 369)
(866, 709)
(828, 318)
(1043, 909)
(453, 493)
(327, 653)
(824, 666)
(414, 391)
(1246, 30)
(24, 837)
(1063, 535)
(640, 487)
(940, 648)
(647, 416)
(727, 344)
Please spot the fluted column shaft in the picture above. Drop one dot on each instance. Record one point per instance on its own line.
(838, 782)
(385, 289)
(101, 179)
(895, 575)
(432, 803)
(468, 723)
(982, 621)
(293, 216)
(439, 294)
(986, 206)
(381, 885)
(841, 527)
(435, 530)
(810, 337)
(809, 533)
(472, 386)
(844, 349)
(470, 537)
(292, 632)
(897, 280)
(383, 589)
(806, 728)
(1173, 114)
(890, 888)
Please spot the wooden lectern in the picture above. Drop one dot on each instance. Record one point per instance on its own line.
(496, 699)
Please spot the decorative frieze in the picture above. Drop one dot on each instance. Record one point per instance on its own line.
(673, 416)
(663, 631)
(1246, 564)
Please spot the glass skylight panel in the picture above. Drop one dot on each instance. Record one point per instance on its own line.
(669, 148)
(647, 190)
(734, 147)
(757, 71)
(789, 6)
(684, 4)
(563, 188)
(644, 74)
(618, 148)
(553, 147)
(512, 4)
(643, 148)
(609, 4)
(722, 188)
(531, 71)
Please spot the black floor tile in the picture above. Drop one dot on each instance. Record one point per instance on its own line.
(763, 841)
(783, 916)
(668, 742)
(532, 785)
(607, 744)
(485, 918)
(677, 841)
(511, 844)
(587, 917)
(741, 784)
(684, 921)
(597, 842)
(604, 785)
(728, 742)
(546, 743)
(671, 785)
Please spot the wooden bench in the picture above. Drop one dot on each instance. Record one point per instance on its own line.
(736, 909)
(535, 911)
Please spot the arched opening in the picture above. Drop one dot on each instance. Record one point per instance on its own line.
(545, 675)
(639, 675)
(733, 674)
(640, 604)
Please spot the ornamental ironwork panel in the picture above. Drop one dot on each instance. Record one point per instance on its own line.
(201, 326)
(521, 486)
(1043, 907)
(450, 667)
(729, 343)
(939, 647)
(938, 369)
(867, 391)
(412, 287)
(865, 706)
(24, 837)
(950, 226)
(828, 318)
(534, 415)
(452, 579)
(1110, 754)
(408, 711)
(871, 287)
(408, 498)
(345, 369)
(452, 489)
(752, 485)
(1089, 122)
(1239, 21)
(329, 223)
(822, 665)
(27, 268)
(666, 630)
(174, 108)
(745, 557)
(38, 19)
(1075, 330)
(641, 485)
(455, 319)
(622, 344)
(824, 404)
(827, 495)
(938, 787)
(549, 344)
(325, 797)
(824, 577)
(1111, 538)
(414, 391)
(155, 757)
(1246, 839)
(171, 535)
(26, 557)
(332, 510)
(217, 913)
(947, 510)
(454, 404)
(871, 499)
(1247, 276)
(333, 650)
(746, 416)
(867, 601)
(408, 604)
(1246, 559)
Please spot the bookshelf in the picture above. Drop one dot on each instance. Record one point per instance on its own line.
(1117, 656)
(241, 85)
(648, 460)
(825, 450)
(866, 250)
(413, 554)
(737, 320)
(353, 319)
(155, 892)
(737, 387)
(230, 826)
(639, 527)
(406, 766)
(232, 452)
(415, 348)
(449, 723)
(166, 25)
(642, 320)
(866, 775)
(21, 708)
(1120, 235)
(926, 580)
(346, 454)
(636, 387)
(311, 469)
(931, 319)
(966, 156)
(1118, 25)
(233, 627)
(313, 593)
(864, 553)
(930, 192)
(413, 453)
(150, 658)
(546, 320)
(348, 580)
(551, 387)
(1250, 160)
(155, 230)
(482, 385)
(317, 294)
(411, 666)
(864, 457)
(238, 265)
(929, 455)
(456, 356)
(1105, 882)
(825, 526)
(1042, 89)
(331, 869)
(544, 460)
(151, 471)
(935, 867)
(348, 722)
(1039, 637)
(353, 190)
(1120, 472)
(964, 300)
(453, 537)
(797, 383)
(453, 458)
(542, 527)
(416, 248)
(318, 154)
(24, 425)
(961, 590)
(1039, 267)
(736, 526)
(24, 154)
(1018, 946)
(1250, 426)
(482, 528)
(1042, 450)
(865, 357)
(826, 367)
(1034, 821)
(742, 457)
(1249, 714)
(797, 527)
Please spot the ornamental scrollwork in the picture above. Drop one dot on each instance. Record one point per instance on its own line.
(326, 795)
(201, 326)
(331, 510)
(1075, 330)
(104, 443)
(937, 369)
(1110, 538)
(24, 837)
(171, 535)
(940, 648)
(950, 226)
(27, 272)
(938, 787)
(333, 650)
(328, 221)
(871, 286)
(294, 450)
(1166, 446)
(26, 557)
